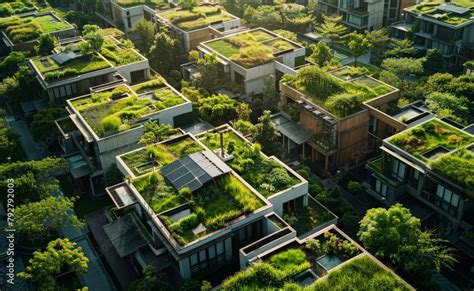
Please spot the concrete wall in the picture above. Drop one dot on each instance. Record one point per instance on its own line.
(126, 70)
(287, 195)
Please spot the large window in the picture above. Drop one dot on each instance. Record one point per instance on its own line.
(447, 200)
(207, 257)
(398, 170)
(381, 188)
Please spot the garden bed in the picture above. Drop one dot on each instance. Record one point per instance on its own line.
(118, 53)
(131, 3)
(29, 28)
(198, 17)
(308, 218)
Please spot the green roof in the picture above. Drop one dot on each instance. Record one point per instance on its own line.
(15, 7)
(198, 17)
(130, 3)
(461, 12)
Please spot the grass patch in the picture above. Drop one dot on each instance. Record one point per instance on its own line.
(308, 218)
(131, 3)
(119, 53)
(458, 167)
(199, 17)
(29, 28)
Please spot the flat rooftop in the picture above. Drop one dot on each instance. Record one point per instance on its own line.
(27, 28)
(261, 173)
(121, 108)
(16, 7)
(220, 197)
(251, 48)
(455, 12)
(71, 62)
(198, 17)
(327, 89)
(130, 3)
(444, 148)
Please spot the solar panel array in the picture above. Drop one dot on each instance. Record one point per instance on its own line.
(453, 8)
(194, 170)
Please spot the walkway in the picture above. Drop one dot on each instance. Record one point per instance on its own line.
(29, 145)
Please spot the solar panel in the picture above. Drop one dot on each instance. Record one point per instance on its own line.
(453, 8)
(63, 57)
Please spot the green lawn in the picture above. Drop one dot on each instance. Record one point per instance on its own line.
(131, 3)
(49, 24)
(224, 47)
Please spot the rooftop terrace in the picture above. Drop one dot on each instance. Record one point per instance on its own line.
(442, 147)
(22, 29)
(188, 215)
(121, 108)
(130, 3)
(252, 48)
(198, 17)
(15, 7)
(455, 13)
(341, 91)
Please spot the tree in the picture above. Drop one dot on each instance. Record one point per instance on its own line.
(90, 28)
(333, 29)
(38, 219)
(378, 40)
(263, 16)
(448, 105)
(322, 54)
(154, 132)
(10, 63)
(8, 141)
(358, 45)
(401, 48)
(145, 32)
(46, 43)
(94, 41)
(343, 103)
(19, 87)
(162, 54)
(43, 125)
(244, 126)
(188, 4)
(447, 83)
(207, 71)
(403, 67)
(354, 187)
(243, 111)
(270, 95)
(60, 256)
(217, 108)
(265, 132)
(434, 61)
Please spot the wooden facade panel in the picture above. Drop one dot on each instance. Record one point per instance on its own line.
(307, 120)
(352, 121)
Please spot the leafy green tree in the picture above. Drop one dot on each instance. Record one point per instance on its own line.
(193, 94)
(263, 16)
(343, 103)
(60, 256)
(244, 111)
(46, 43)
(403, 67)
(244, 126)
(270, 95)
(162, 54)
(144, 30)
(265, 132)
(448, 105)
(33, 179)
(207, 71)
(333, 29)
(434, 61)
(90, 28)
(447, 83)
(43, 125)
(354, 187)
(19, 87)
(358, 45)
(93, 42)
(188, 4)
(39, 219)
(10, 63)
(378, 40)
(8, 141)
(322, 54)
(154, 132)
(401, 48)
(217, 108)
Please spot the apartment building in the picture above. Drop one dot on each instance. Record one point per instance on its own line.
(109, 121)
(32, 24)
(196, 206)
(69, 73)
(332, 135)
(448, 27)
(277, 54)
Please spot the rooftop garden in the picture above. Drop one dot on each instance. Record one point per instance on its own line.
(119, 109)
(431, 9)
(316, 256)
(131, 3)
(305, 219)
(199, 17)
(210, 208)
(29, 28)
(15, 7)
(431, 139)
(457, 167)
(119, 53)
(53, 71)
(250, 49)
(339, 92)
(267, 176)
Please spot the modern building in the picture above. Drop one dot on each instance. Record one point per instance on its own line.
(69, 73)
(317, 124)
(203, 23)
(109, 121)
(238, 65)
(20, 32)
(197, 204)
(448, 27)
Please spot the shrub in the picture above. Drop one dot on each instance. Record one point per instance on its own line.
(56, 75)
(288, 259)
(185, 223)
(110, 123)
(314, 246)
(455, 139)
(420, 132)
(354, 187)
(279, 178)
(219, 221)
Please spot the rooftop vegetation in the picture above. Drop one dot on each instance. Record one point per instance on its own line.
(307, 218)
(119, 52)
(430, 135)
(199, 17)
(15, 7)
(52, 71)
(267, 176)
(341, 98)
(29, 28)
(457, 167)
(250, 49)
(131, 3)
(119, 109)
(431, 9)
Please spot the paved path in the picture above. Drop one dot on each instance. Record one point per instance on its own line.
(30, 147)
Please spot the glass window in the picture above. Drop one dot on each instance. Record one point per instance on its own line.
(455, 200)
(220, 247)
(212, 252)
